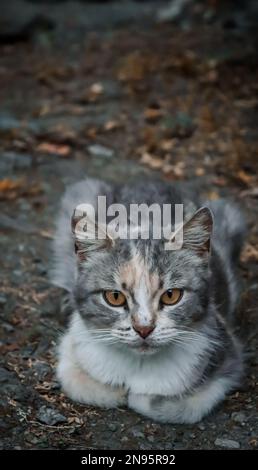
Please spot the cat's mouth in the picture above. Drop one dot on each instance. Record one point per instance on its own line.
(144, 347)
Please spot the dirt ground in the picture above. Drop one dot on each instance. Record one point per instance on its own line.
(119, 97)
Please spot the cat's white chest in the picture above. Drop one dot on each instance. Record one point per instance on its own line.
(169, 373)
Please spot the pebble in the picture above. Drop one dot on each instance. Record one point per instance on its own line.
(227, 443)
(97, 150)
(238, 417)
(3, 299)
(7, 327)
(50, 416)
(19, 161)
(201, 427)
(112, 427)
(42, 369)
(5, 375)
(137, 433)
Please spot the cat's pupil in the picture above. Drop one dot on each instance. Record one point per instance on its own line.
(116, 294)
(169, 293)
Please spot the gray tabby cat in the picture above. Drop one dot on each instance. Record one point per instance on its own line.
(151, 329)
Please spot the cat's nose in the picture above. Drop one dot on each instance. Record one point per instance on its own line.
(143, 331)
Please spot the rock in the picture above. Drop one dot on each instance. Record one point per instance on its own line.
(16, 224)
(97, 150)
(137, 433)
(227, 443)
(6, 375)
(201, 427)
(238, 417)
(7, 327)
(15, 161)
(172, 11)
(3, 299)
(42, 369)
(50, 416)
(112, 427)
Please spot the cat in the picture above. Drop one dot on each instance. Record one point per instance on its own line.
(151, 329)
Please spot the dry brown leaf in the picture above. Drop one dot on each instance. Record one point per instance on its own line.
(135, 67)
(167, 144)
(50, 148)
(5, 348)
(244, 177)
(219, 181)
(153, 114)
(112, 125)
(200, 171)
(213, 195)
(10, 185)
(249, 253)
(150, 160)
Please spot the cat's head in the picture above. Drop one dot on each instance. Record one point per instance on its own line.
(136, 294)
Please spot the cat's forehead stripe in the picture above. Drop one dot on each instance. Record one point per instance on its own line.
(135, 272)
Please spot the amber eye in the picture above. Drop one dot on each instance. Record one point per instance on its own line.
(114, 298)
(171, 296)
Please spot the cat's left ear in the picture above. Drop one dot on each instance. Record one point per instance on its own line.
(197, 231)
(88, 235)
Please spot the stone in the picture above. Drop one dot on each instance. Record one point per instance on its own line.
(137, 433)
(112, 427)
(97, 150)
(238, 417)
(50, 416)
(6, 375)
(3, 299)
(227, 443)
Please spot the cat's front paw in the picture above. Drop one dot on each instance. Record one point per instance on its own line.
(80, 386)
(163, 409)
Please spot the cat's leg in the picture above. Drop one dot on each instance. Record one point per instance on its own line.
(80, 386)
(189, 409)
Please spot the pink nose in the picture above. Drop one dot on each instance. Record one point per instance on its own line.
(143, 331)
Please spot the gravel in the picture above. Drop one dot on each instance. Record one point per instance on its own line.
(50, 416)
(227, 443)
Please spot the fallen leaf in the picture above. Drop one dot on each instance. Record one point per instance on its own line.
(112, 125)
(213, 195)
(167, 144)
(175, 171)
(244, 177)
(135, 67)
(55, 149)
(9, 185)
(153, 114)
(200, 171)
(150, 160)
(5, 348)
(249, 253)
(219, 181)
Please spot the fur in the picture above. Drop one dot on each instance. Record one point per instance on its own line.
(192, 359)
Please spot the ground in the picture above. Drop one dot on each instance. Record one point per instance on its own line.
(121, 100)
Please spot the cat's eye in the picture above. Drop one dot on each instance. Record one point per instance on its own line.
(171, 296)
(114, 298)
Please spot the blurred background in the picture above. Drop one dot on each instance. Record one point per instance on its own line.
(119, 90)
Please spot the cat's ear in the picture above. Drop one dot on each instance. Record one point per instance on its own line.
(88, 235)
(197, 231)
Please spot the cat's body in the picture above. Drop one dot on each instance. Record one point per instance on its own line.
(189, 359)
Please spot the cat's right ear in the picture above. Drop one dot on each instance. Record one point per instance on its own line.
(88, 235)
(197, 231)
